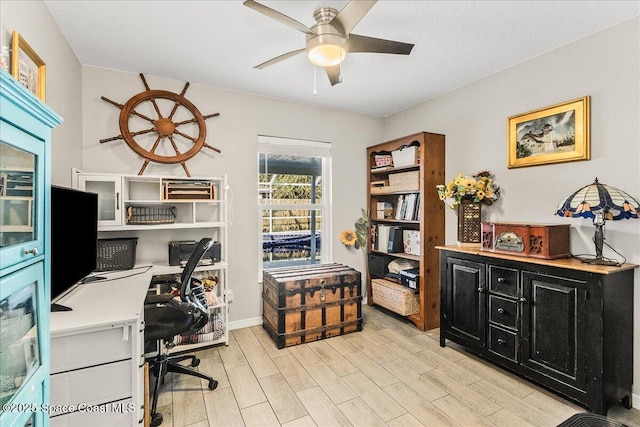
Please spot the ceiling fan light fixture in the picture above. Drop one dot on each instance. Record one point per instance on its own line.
(326, 50)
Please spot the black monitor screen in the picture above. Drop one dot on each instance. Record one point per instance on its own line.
(74, 236)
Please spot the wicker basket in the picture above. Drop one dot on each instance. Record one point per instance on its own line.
(151, 215)
(116, 254)
(394, 297)
(405, 181)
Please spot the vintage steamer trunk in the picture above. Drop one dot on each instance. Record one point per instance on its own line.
(309, 303)
(546, 241)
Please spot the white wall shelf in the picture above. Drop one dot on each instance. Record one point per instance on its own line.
(207, 215)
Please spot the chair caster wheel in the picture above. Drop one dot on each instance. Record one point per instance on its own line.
(213, 384)
(156, 419)
(195, 362)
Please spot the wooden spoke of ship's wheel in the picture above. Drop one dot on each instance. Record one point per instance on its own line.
(163, 126)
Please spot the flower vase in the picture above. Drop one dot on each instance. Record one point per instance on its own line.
(469, 223)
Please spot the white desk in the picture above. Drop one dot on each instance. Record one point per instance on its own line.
(97, 352)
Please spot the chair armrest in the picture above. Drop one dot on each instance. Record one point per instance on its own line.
(158, 299)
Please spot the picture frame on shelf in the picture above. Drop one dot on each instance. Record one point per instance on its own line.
(27, 67)
(555, 134)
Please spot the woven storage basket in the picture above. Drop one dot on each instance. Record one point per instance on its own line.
(151, 215)
(405, 181)
(394, 297)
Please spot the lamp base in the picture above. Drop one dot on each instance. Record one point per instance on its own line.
(597, 261)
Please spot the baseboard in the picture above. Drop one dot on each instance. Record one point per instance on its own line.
(245, 323)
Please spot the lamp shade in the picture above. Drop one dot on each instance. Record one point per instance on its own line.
(594, 198)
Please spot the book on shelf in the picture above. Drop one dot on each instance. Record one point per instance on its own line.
(399, 206)
(408, 207)
(373, 236)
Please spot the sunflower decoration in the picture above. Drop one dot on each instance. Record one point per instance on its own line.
(357, 239)
(349, 238)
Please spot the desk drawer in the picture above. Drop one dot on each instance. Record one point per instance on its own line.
(119, 415)
(92, 386)
(91, 348)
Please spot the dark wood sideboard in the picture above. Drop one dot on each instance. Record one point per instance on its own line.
(562, 324)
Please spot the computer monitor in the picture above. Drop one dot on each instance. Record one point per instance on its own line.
(74, 237)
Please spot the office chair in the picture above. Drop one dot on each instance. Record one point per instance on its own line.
(166, 317)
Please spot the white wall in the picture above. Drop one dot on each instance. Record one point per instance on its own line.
(34, 22)
(242, 118)
(605, 66)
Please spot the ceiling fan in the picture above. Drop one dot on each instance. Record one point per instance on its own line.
(330, 39)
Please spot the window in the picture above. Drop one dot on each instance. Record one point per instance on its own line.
(294, 200)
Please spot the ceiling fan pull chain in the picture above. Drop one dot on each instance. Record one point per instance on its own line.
(315, 89)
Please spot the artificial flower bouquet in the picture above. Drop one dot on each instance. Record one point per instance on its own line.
(479, 187)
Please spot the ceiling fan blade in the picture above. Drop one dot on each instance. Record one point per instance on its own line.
(274, 14)
(370, 44)
(279, 58)
(352, 13)
(333, 73)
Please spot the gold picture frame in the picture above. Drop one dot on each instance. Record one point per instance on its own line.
(27, 67)
(555, 134)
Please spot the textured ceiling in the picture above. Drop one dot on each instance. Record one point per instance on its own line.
(217, 43)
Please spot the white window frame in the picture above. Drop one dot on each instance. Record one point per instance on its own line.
(288, 146)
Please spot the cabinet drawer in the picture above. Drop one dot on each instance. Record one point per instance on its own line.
(91, 348)
(503, 281)
(503, 311)
(120, 414)
(92, 386)
(503, 343)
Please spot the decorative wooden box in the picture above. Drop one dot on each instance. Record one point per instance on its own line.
(546, 241)
(309, 303)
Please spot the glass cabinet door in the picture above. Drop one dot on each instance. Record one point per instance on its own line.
(21, 197)
(23, 370)
(109, 190)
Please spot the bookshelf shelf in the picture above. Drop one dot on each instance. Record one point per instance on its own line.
(415, 211)
(394, 221)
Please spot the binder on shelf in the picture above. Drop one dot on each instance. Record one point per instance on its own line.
(395, 243)
(383, 237)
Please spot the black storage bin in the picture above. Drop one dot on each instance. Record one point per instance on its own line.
(410, 278)
(116, 254)
(378, 265)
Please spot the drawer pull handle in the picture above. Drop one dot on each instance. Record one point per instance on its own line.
(33, 251)
(501, 310)
(523, 300)
(501, 341)
(501, 280)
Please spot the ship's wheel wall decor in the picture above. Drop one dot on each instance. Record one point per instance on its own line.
(162, 127)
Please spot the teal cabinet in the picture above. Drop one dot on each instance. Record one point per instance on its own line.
(25, 147)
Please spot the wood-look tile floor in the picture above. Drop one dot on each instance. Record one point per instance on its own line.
(390, 374)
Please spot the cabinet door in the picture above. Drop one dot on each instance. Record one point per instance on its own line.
(109, 190)
(24, 343)
(21, 196)
(553, 327)
(465, 301)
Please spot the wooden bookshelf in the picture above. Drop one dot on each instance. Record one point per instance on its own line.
(428, 216)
